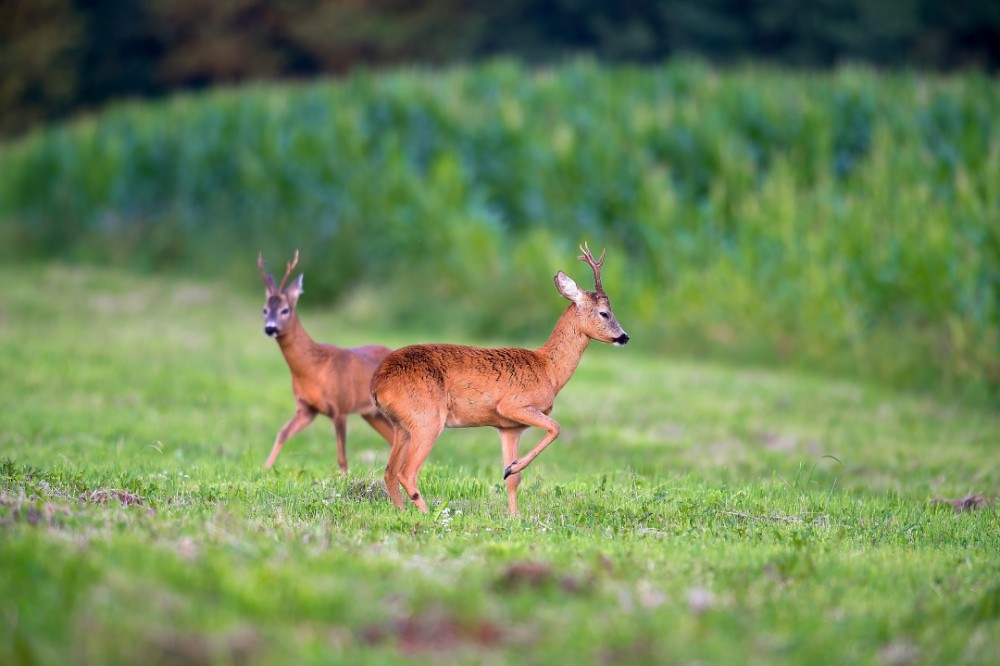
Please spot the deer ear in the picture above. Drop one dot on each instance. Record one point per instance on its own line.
(567, 287)
(294, 290)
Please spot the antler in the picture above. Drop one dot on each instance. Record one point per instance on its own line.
(288, 271)
(268, 278)
(596, 265)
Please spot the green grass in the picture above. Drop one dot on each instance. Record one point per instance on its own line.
(689, 512)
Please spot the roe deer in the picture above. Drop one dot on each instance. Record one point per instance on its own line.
(423, 389)
(325, 379)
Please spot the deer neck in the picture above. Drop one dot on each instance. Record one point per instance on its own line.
(298, 348)
(564, 348)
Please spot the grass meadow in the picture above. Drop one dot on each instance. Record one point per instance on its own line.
(689, 513)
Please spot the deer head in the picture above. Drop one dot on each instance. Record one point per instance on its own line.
(279, 306)
(593, 308)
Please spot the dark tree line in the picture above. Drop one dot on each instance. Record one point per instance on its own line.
(61, 56)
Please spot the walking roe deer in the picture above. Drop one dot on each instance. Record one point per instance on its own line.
(423, 389)
(325, 379)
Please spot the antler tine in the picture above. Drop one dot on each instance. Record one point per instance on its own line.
(288, 271)
(596, 265)
(268, 278)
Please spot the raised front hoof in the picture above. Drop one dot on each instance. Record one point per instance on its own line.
(510, 470)
(419, 502)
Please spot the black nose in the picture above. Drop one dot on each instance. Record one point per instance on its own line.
(621, 339)
(271, 330)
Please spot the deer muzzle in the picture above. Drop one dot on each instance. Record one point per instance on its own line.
(272, 331)
(621, 339)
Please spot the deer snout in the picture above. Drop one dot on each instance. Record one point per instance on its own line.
(270, 330)
(621, 339)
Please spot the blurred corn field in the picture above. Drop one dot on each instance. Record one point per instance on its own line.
(844, 222)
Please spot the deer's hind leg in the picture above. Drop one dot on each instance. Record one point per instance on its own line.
(340, 430)
(423, 434)
(381, 425)
(400, 444)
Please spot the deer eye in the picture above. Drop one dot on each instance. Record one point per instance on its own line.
(265, 310)
(604, 315)
(284, 311)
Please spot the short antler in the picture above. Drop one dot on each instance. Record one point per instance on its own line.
(268, 278)
(288, 271)
(596, 265)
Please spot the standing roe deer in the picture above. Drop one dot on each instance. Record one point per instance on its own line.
(423, 389)
(325, 379)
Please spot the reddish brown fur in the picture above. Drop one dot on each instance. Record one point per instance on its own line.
(326, 379)
(423, 389)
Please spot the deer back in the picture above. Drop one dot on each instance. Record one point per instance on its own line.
(465, 383)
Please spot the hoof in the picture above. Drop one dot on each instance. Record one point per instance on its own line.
(507, 471)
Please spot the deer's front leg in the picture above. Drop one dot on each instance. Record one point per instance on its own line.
(509, 439)
(530, 416)
(304, 415)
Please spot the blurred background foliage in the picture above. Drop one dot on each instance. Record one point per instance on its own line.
(840, 216)
(846, 222)
(62, 56)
